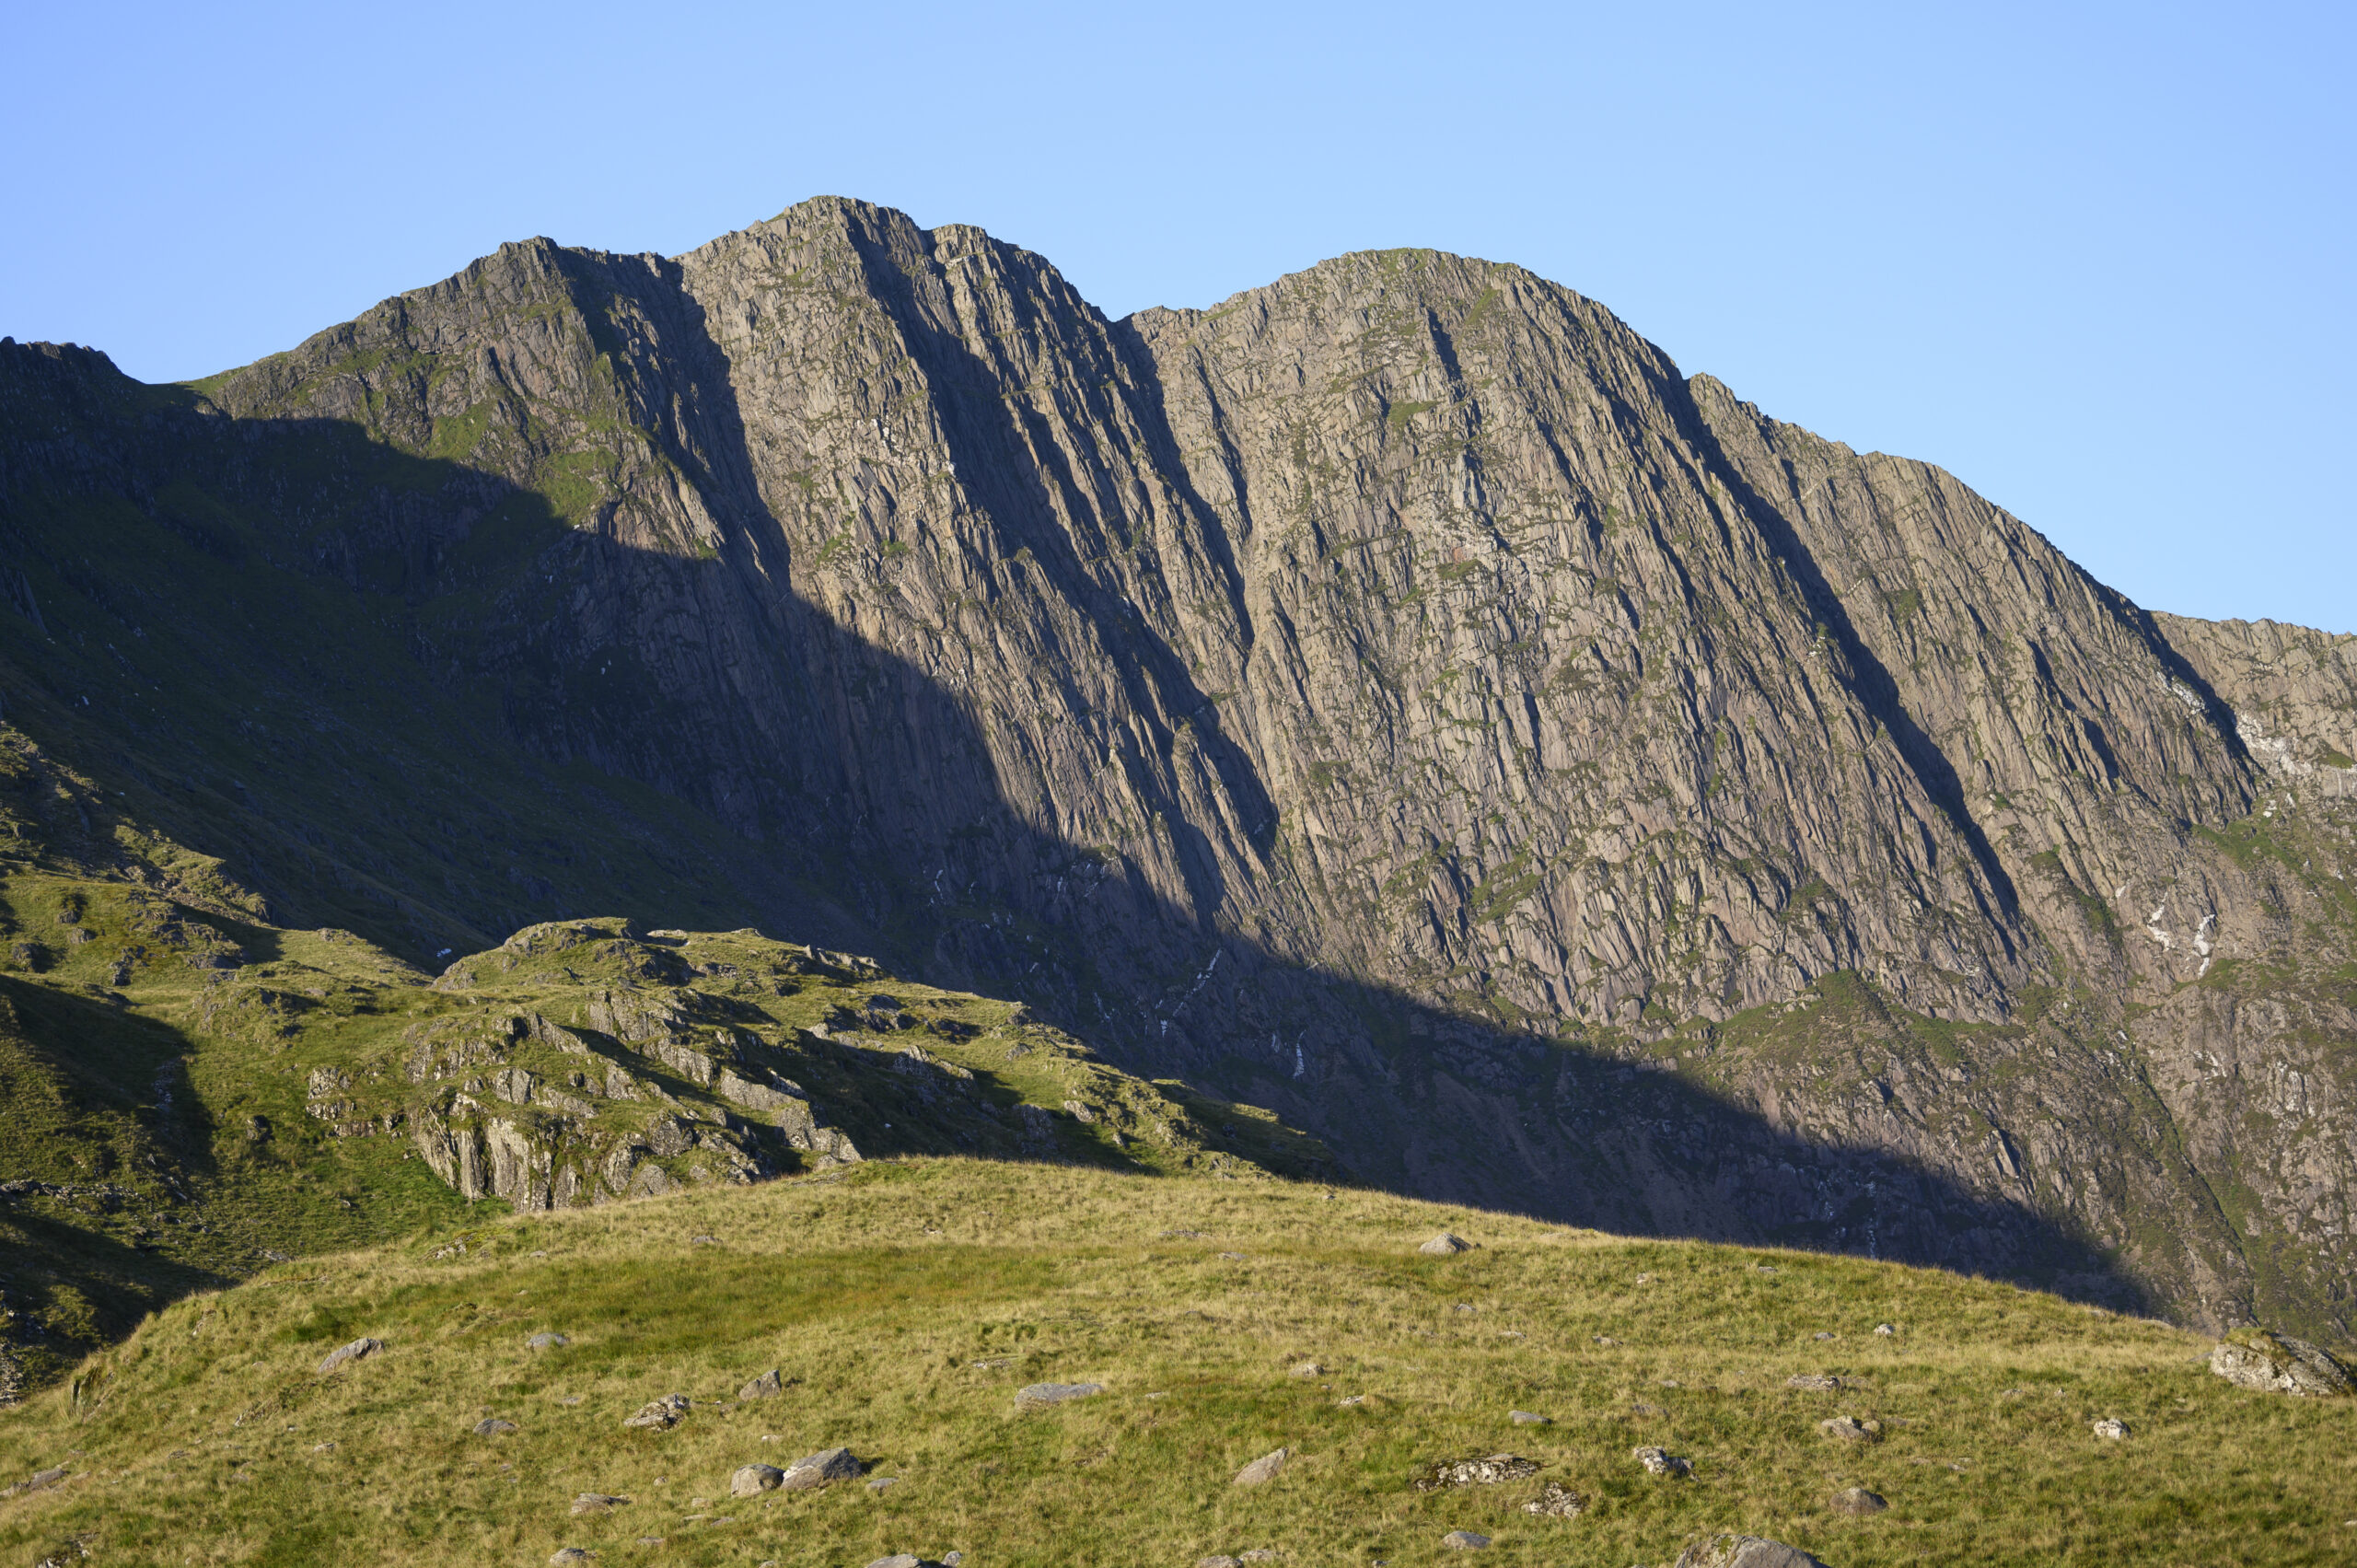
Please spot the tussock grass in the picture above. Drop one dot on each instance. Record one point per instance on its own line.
(911, 1299)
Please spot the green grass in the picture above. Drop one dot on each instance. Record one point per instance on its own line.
(912, 1299)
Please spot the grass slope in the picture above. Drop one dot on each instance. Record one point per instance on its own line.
(909, 1300)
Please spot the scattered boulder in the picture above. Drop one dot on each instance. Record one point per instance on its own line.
(1526, 1418)
(2253, 1358)
(566, 1555)
(1309, 1369)
(822, 1468)
(1659, 1461)
(1445, 1244)
(1858, 1501)
(2112, 1428)
(1218, 1559)
(1445, 1473)
(344, 1355)
(1258, 1554)
(1849, 1430)
(1744, 1551)
(1263, 1469)
(883, 1484)
(598, 1503)
(761, 1388)
(1038, 1395)
(660, 1415)
(1885, 1330)
(547, 1342)
(1815, 1382)
(1556, 1500)
(751, 1481)
(42, 1480)
(494, 1427)
(1465, 1541)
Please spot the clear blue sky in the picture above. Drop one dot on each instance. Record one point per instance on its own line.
(2096, 260)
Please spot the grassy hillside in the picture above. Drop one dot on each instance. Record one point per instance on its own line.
(188, 1091)
(905, 1301)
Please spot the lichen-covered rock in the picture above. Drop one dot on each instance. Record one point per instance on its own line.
(1496, 1468)
(660, 1415)
(2254, 1358)
(1744, 1551)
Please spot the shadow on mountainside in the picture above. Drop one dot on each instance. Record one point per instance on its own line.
(867, 778)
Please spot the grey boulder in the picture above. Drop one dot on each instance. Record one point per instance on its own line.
(494, 1427)
(822, 1468)
(1038, 1395)
(1444, 1245)
(751, 1481)
(1465, 1541)
(1659, 1461)
(1744, 1551)
(344, 1355)
(1265, 1469)
(761, 1388)
(2281, 1365)
(1857, 1500)
(662, 1415)
(598, 1503)
(548, 1341)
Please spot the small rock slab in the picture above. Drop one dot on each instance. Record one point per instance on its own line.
(344, 1355)
(1446, 1244)
(1885, 1330)
(494, 1427)
(1040, 1396)
(1557, 1501)
(547, 1342)
(751, 1481)
(898, 1560)
(1264, 1470)
(1527, 1418)
(660, 1415)
(565, 1555)
(883, 1484)
(1465, 1541)
(1308, 1369)
(1848, 1429)
(598, 1503)
(2112, 1428)
(761, 1388)
(1815, 1382)
(1488, 1472)
(1858, 1501)
(822, 1468)
(1218, 1559)
(1660, 1461)
(1744, 1551)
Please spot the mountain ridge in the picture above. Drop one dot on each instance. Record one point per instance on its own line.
(1397, 695)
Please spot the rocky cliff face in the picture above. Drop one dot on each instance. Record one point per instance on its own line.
(1398, 696)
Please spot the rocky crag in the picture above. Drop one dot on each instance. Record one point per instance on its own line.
(1396, 696)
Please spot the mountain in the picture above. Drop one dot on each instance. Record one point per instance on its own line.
(1397, 698)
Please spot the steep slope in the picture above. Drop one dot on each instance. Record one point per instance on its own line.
(899, 1309)
(1396, 696)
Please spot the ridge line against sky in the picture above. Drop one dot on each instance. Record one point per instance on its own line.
(2093, 260)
